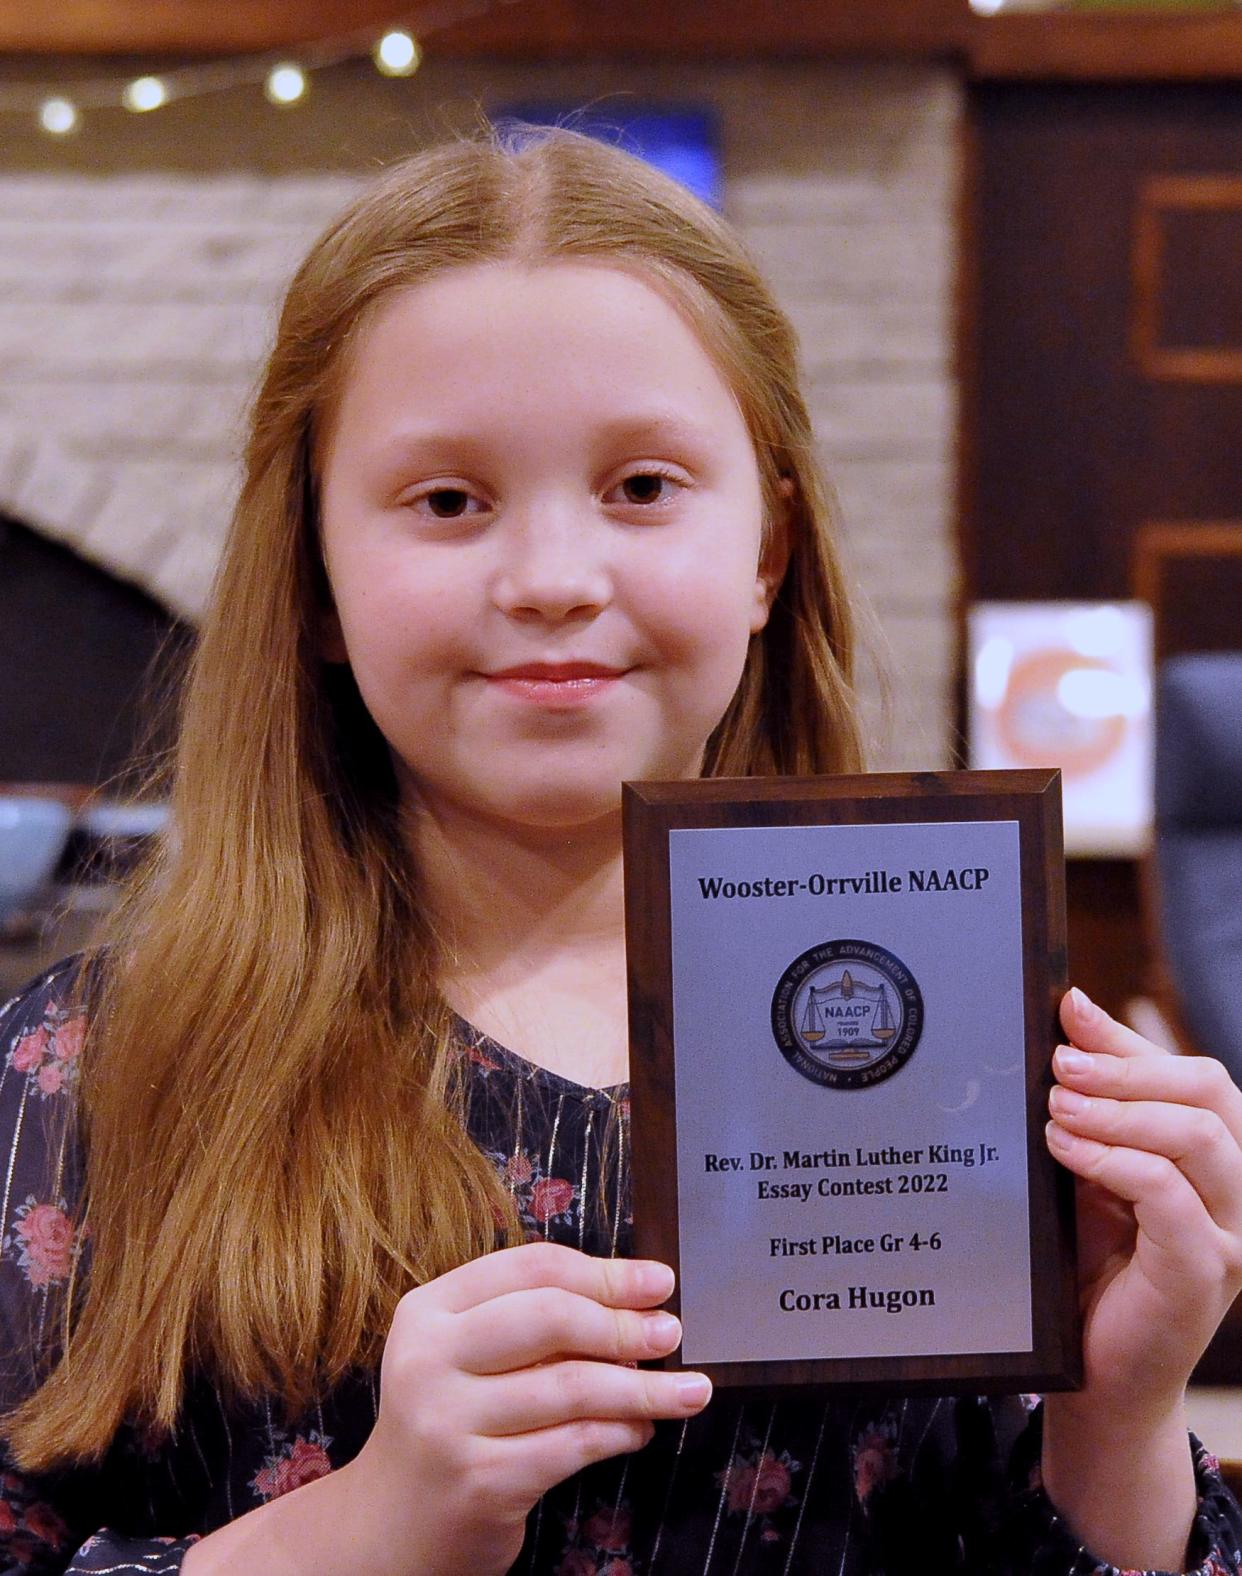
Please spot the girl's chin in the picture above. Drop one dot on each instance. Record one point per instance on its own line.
(543, 809)
(549, 800)
(551, 811)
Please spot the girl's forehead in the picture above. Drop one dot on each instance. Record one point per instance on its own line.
(582, 334)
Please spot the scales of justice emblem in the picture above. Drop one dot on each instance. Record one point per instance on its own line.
(847, 1014)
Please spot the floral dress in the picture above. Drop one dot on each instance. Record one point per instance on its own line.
(790, 1486)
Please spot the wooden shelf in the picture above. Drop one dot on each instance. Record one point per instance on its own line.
(1133, 47)
(728, 28)
(1130, 46)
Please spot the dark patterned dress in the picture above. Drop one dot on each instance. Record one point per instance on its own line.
(789, 1487)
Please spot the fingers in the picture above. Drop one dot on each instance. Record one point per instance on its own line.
(1195, 1140)
(618, 1283)
(1091, 1028)
(542, 1398)
(526, 1327)
(1159, 1131)
(534, 1463)
(1154, 1075)
(1168, 1211)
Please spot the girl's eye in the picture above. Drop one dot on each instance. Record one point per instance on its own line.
(447, 503)
(646, 487)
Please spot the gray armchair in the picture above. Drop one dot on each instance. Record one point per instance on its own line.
(1198, 854)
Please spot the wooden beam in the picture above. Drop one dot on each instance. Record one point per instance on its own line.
(910, 28)
(182, 27)
(729, 28)
(1120, 46)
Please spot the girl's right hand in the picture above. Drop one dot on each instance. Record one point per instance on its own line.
(501, 1379)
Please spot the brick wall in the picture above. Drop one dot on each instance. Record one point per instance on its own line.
(140, 263)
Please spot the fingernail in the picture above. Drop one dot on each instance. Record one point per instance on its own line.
(1058, 1137)
(1071, 1060)
(1083, 1005)
(1066, 1103)
(657, 1279)
(693, 1390)
(663, 1331)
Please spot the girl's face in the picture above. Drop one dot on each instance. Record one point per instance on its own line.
(542, 526)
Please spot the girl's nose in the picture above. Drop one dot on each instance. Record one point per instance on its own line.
(551, 569)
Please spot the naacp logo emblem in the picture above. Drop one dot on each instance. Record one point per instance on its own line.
(847, 1014)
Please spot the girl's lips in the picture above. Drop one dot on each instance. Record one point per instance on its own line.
(563, 683)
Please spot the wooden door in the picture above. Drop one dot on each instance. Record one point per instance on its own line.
(1102, 369)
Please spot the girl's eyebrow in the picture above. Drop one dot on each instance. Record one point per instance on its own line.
(673, 427)
(662, 427)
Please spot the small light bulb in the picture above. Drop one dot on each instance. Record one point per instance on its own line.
(285, 84)
(145, 93)
(58, 116)
(397, 55)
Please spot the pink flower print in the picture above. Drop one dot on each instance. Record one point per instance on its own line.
(301, 1462)
(760, 1486)
(480, 1059)
(875, 1463)
(46, 1525)
(577, 1562)
(30, 1050)
(550, 1196)
(46, 1239)
(8, 1521)
(67, 1041)
(607, 1529)
(306, 1462)
(518, 1170)
(50, 1078)
(618, 1568)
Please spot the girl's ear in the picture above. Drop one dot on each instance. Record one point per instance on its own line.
(773, 557)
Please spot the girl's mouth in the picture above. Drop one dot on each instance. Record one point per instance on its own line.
(556, 683)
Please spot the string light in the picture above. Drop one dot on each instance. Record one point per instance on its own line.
(397, 55)
(145, 93)
(58, 116)
(286, 83)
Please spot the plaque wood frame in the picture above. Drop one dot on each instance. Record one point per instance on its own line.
(1032, 799)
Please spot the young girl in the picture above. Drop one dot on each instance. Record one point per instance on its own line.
(530, 509)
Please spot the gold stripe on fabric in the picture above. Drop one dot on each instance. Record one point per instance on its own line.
(754, 1492)
(547, 1170)
(725, 1478)
(582, 1187)
(806, 1488)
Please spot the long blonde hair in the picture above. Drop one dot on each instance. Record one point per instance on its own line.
(274, 1155)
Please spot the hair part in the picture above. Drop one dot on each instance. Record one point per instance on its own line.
(270, 1101)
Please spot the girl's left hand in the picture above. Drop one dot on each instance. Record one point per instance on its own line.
(1157, 1142)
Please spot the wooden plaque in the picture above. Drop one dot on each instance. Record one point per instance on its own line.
(843, 1004)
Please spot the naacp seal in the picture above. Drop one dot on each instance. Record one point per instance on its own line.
(847, 1014)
